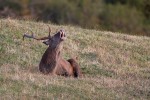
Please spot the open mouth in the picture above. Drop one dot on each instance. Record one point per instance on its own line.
(62, 35)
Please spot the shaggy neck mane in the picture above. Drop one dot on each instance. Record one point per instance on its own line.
(53, 54)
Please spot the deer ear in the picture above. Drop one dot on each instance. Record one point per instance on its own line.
(46, 42)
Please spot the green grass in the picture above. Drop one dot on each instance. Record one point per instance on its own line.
(115, 66)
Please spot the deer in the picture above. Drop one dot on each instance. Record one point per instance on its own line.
(52, 61)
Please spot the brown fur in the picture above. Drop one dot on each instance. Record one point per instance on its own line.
(53, 63)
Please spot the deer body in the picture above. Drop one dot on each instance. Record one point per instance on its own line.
(52, 62)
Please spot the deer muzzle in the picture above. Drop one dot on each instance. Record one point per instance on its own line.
(62, 35)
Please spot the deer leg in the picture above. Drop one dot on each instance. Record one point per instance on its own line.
(75, 66)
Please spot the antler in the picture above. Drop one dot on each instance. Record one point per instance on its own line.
(33, 37)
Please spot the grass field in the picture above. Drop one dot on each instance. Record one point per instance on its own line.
(115, 66)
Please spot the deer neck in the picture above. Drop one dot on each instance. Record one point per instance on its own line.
(53, 54)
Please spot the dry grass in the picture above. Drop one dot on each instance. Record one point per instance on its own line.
(115, 66)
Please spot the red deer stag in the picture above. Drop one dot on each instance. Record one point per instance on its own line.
(52, 62)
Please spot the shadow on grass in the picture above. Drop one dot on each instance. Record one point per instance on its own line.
(34, 69)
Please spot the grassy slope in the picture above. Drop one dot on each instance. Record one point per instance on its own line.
(115, 66)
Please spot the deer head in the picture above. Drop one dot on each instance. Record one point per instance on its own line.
(55, 40)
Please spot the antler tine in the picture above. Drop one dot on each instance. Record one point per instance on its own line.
(33, 35)
(24, 35)
(49, 31)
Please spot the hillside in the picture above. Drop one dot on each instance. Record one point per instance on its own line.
(115, 66)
